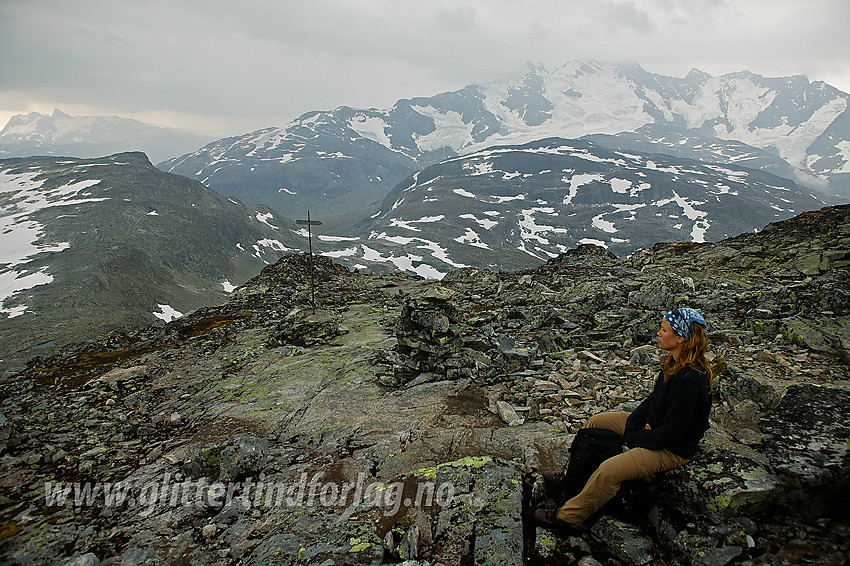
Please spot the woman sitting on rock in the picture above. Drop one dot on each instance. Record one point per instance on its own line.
(663, 432)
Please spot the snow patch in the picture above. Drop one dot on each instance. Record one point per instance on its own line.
(264, 218)
(335, 155)
(372, 128)
(603, 225)
(481, 168)
(14, 311)
(23, 196)
(406, 224)
(450, 130)
(594, 242)
(500, 200)
(699, 217)
(620, 186)
(167, 313)
(530, 230)
(463, 193)
(347, 252)
(324, 238)
(483, 222)
(12, 282)
(844, 149)
(471, 238)
(575, 182)
(394, 239)
(271, 244)
(404, 263)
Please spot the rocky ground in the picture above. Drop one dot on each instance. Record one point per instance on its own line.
(405, 420)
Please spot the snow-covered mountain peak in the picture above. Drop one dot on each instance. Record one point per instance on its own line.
(91, 136)
(322, 159)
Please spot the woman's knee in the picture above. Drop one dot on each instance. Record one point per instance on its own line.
(655, 461)
(617, 469)
(612, 420)
(594, 421)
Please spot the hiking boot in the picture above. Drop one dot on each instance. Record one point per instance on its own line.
(549, 518)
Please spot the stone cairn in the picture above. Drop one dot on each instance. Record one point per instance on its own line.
(428, 341)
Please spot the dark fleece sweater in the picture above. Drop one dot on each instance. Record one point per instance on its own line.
(677, 413)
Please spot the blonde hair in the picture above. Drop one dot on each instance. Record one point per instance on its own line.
(692, 355)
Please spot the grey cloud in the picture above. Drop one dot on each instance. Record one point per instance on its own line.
(256, 60)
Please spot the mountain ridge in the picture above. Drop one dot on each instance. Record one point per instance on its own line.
(90, 244)
(61, 134)
(300, 164)
(513, 207)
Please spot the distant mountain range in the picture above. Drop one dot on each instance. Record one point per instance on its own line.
(513, 207)
(89, 245)
(345, 159)
(60, 134)
(92, 244)
(504, 175)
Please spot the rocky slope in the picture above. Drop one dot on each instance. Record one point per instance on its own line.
(334, 161)
(406, 420)
(514, 207)
(31, 134)
(92, 244)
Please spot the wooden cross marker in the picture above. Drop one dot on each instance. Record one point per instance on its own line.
(309, 224)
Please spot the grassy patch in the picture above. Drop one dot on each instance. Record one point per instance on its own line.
(73, 370)
(206, 324)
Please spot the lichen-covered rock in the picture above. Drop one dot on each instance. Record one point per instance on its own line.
(203, 461)
(545, 544)
(136, 556)
(479, 517)
(716, 486)
(715, 556)
(244, 455)
(553, 549)
(277, 550)
(843, 337)
(306, 329)
(498, 522)
(408, 547)
(88, 559)
(623, 540)
(513, 356)
(351, 542)
(807, 436)
(802, 333)
(5, 431)
(738, 385)
(508, 415)
(808, 264)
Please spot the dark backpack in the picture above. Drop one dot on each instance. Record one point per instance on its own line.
(589, 449)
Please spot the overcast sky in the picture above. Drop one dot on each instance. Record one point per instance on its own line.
(233, 66)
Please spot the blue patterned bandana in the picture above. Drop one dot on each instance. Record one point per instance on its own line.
(682, 321)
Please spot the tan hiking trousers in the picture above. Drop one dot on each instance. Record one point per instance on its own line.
(606, 480)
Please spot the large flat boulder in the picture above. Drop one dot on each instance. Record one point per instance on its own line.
(716, 485)
(806, 438)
